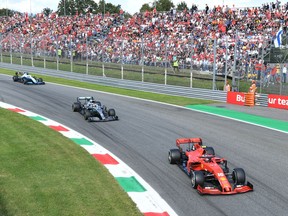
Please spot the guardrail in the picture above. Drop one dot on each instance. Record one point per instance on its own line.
(199, 93)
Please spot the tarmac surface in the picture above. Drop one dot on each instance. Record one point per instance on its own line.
(146, 131)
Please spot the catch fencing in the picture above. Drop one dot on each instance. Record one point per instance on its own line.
(201, 65)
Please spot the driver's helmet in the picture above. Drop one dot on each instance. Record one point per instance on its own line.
(93, 103)
(193, 147)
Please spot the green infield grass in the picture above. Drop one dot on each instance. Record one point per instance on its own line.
(44, 173)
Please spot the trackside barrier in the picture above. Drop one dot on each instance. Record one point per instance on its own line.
(200, 93)
(270, 100)
(249, 99)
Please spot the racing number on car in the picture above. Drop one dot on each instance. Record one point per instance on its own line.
(220, 174)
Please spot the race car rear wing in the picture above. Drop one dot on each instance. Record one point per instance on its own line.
(188, 141)
(86, 98)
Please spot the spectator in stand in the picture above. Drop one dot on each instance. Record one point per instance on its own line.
(206, 9)
(255, 26)
(273, 77)
(284, 73)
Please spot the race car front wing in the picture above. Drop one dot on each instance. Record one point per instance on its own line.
(215, 191)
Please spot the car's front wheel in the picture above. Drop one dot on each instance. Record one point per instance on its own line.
(197, 178)
(87, 114)
(76, 107)
(239, 176)
(111, 112)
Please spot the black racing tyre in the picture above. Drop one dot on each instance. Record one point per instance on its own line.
(111, 112)
(15, 78)
(197, 178)
(25, 81)
(104, 108)
(238, 176)
(76, 107)
(87, 114)
(174, 156)
(209, 151)
(40, 80)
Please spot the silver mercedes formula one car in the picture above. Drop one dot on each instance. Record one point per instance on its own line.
(93, 110)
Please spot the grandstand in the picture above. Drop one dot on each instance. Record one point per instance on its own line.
(244, 38)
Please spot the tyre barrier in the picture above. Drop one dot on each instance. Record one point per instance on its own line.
(249, 99)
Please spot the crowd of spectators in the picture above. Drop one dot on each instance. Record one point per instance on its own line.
(152, 38)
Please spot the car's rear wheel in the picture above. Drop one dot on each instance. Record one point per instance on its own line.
(76, 107)
(197, 178)
(238, 176)
(174, 156)
(15, 78)
(87, 114)
(111, 112)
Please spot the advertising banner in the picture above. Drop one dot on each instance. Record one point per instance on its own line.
(236, 98)
(278, 101)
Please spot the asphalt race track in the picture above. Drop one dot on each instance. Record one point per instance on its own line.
(147, 130)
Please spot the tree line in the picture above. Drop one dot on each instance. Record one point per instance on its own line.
(73, 7)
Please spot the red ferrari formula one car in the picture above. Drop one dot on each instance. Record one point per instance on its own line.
(209, 174)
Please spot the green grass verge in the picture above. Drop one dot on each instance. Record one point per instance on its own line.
(176, 100)
(44, 173)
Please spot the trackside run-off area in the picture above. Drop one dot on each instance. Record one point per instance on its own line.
(260, 121)
(146, 198)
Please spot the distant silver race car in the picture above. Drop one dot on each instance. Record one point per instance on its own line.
(27, 79)
(93, 110)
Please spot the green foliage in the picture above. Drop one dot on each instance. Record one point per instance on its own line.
(7, 12)
(112, 9)
(182, 6)
(47, 11)
(161, 5)
(71, 7)
(105, 7)
(145, 7)
(164, 5)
